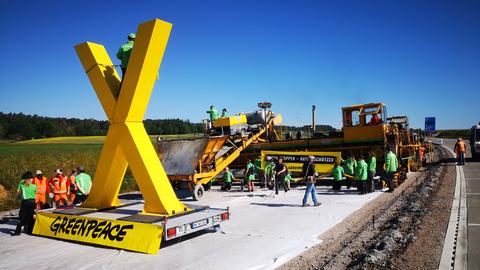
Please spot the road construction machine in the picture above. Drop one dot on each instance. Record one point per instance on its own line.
(366, 128)
(194, 163)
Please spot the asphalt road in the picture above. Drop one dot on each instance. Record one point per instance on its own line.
(472, 177)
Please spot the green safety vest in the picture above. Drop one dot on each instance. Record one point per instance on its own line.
(350, 165)
(124, 53)
(27, 192)
(227, 177)
(338, 173)
(391, 162)
(84, 181)
(361, 171)
(213, 114)
(372, 164)
(251, 176)
(269, 168)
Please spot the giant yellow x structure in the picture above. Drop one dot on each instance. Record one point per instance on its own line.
(127, 142)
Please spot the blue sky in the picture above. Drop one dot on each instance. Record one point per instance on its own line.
(422, 58)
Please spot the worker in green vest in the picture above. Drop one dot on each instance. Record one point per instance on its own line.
(259, 171)
(227, 179)
(372, 169)
(124, 52)
(224, 113)
(270, 172)
(361, 175)
(27, 192)
(249, 175)
(391, 167)
(288, 179)
(349, 166)
(338, 173)
(213, 113)
(84, 183)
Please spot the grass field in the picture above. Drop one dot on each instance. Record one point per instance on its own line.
(52, 153)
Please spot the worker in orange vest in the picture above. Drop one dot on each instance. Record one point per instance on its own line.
(421, 152)
(41, 183)
(60, 188)
(460, 148)
(73, 186)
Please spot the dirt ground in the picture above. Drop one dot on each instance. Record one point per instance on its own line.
(401, 230)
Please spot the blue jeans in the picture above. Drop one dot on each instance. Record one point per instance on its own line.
(310, 189)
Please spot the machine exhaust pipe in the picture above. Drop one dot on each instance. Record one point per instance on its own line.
(313, 118)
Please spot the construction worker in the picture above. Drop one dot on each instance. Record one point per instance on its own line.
(338, 173)
(287, 180)
(72, 192)
(224, 113)
(27, 191)
(280, 170)
(249, 176)
(421, 154)
(60, 188)
(259, 171)
(84, 183)
(227, 179)
(375, 120)
(213, 113)
(270, 172)
(361, 175)
(391, 167)
(349, 166)
(372, 169)
(309, 177)
(460, 148)
(124, 52)
(42, 187)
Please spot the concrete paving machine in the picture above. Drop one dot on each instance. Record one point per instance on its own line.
(193, 163)
(366, 128)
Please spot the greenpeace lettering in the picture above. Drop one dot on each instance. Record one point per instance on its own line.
(90, 228)
(142, 237)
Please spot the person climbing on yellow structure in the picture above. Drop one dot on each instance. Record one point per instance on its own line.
(124, 52)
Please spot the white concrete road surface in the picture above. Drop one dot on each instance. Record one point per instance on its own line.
(264, 232)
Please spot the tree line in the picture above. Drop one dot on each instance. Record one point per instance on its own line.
(19, 126)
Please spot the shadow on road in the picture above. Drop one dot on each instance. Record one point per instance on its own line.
(277, 204)
(342, 192)
(6, 231)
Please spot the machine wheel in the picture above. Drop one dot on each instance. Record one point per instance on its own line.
(198, 192)
(207, 186)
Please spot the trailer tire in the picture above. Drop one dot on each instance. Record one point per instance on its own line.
(198, 192)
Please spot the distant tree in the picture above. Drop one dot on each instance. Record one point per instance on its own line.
(22, 127)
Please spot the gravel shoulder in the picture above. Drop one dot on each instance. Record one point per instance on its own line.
(400, 230)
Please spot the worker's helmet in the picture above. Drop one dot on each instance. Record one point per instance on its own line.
(38, 172)
(131, 36)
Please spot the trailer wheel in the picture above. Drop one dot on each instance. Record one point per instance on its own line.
(198, 191)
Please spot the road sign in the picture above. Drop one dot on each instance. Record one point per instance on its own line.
(429, 124)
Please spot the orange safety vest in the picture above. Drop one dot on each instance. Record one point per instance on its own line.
(60, 187)
(41, 185)
(461, 146)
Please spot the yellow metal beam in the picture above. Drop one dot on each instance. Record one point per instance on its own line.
(127, 142)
